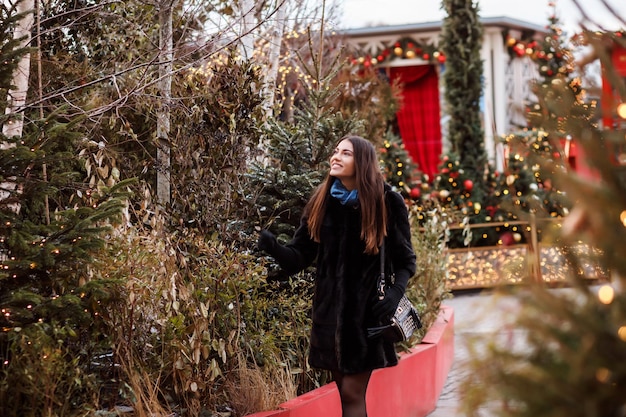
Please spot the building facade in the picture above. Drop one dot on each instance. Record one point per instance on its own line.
(411, 53)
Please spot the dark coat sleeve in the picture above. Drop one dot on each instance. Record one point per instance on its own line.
(399, 246)
(299, 253)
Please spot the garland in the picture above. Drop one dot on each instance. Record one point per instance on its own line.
(405, 48)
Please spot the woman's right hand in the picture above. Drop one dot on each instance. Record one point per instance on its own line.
(267, 242)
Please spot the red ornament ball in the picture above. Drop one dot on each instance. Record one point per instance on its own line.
(468, 184)
(507, 238)
(415, 193)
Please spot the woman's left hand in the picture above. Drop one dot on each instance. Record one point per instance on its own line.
(385, 308)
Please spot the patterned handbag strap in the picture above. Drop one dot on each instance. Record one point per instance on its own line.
(381, 278)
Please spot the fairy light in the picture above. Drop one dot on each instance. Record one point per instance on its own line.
(606, 293)
(621, 333)
(603, 375)
(621, 110)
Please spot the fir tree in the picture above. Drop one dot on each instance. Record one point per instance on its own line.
(539, 153)
(50, 300)
(570, 359)
(455, 191)
(297, 151)
(555, 62)
(527, 185)
(461, 40)
(399, 168)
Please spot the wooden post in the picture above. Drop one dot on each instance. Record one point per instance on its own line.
(534, 252)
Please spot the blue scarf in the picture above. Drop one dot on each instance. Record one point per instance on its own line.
(342, 194)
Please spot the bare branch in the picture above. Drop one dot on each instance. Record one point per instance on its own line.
(587, 19)
(614, 12)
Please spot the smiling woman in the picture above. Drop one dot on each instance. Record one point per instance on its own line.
(342, 164)
(344, 224)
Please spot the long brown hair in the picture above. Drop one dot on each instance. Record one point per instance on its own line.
(370, 189)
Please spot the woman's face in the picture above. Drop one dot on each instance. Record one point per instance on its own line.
(342, 164)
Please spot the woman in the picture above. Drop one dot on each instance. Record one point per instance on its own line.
(343, 226)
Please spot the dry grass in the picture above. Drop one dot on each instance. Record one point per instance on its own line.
(251, 390)
(147, 398)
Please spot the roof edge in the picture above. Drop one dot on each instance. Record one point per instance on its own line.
(498, 21)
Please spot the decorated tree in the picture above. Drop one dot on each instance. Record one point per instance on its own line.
(368, 92)
(540, 152)
(555, 62)
(568, 354)
(454, 190)
(461, 40)
(399, 168)
(526, 185)
(53, 304)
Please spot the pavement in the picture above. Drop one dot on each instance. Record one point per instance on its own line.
(476, 314)
(480, 316)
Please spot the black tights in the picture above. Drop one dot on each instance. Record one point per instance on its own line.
(352, 389)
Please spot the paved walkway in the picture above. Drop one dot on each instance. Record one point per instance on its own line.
(488, 317)
(476, 314)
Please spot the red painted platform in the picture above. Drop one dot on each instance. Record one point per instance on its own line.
(410, 389)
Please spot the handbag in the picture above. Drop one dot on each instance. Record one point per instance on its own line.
(405, 320)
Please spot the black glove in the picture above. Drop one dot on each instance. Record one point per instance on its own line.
(385, 308)
(284, 255)
(267, 242)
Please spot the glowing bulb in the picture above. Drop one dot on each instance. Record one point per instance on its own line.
(603, 374)
(622, 333)
(621, 110)
(606, 294)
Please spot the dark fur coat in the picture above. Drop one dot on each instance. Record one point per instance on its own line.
(345, 284)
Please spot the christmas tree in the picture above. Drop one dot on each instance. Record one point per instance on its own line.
(570, 356)
(461, 40)
(555, 62)
(51, 226)
(454, 189)
(541, 152)
(399, 168)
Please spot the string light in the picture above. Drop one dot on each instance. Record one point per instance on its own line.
(487, 267)
(621, 333)
(606, 294)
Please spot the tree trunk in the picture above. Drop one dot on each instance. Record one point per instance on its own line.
(246, 37)
(17, 95)
(163, 113)
(274, 57)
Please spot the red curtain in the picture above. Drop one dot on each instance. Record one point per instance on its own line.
(419, 116)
